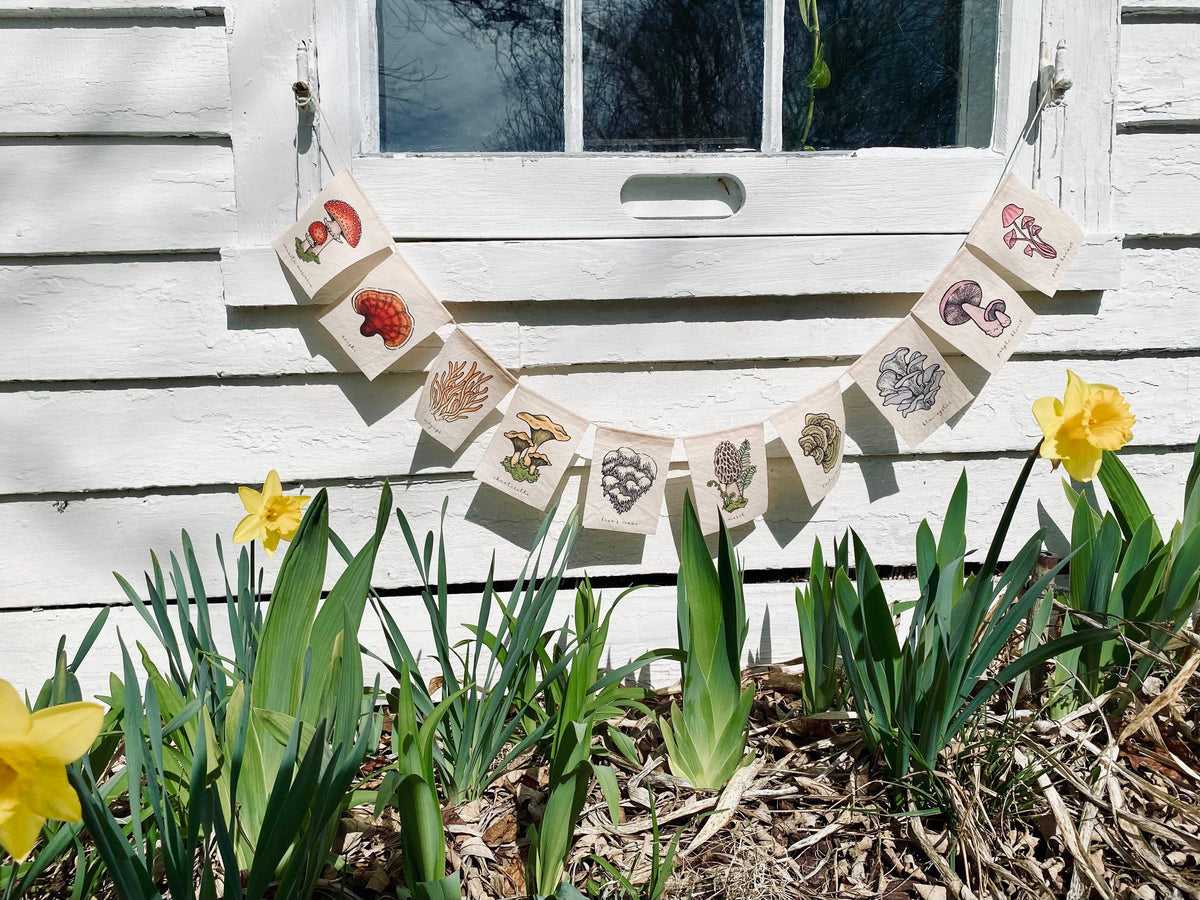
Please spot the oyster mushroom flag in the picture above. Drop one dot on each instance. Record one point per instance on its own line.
(464, 385)
(1027, 237)
(910, 382)
(729, 473)
(337, 241)
(384, 317)
(974, 310)
(531, 449)
(627, 481)
(813, 431)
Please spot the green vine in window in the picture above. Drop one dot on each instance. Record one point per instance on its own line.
(819, 75)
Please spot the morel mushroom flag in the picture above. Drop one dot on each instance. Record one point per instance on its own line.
(464, 385)
(729, 475)
(910, 382)
(1026, 236)
(627, 481)
(814, 432)
(335, 243)
(385, 315)
(532, 448)
(975, 310)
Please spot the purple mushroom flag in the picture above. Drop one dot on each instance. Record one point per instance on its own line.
(1026, 237)
(974, 310)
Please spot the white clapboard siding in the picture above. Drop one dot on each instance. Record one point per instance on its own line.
(115, 196)
(645, 619)
(122, 9)
(1134, 8)
(59, 308)
(652, 268)
(1159, 73)
(342, 426)
(508, 196)
(63, 552)
(63, 78)
(1156, 183)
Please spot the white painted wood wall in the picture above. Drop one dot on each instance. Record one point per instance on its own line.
(150, 366)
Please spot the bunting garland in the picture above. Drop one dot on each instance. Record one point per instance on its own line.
(340, 253)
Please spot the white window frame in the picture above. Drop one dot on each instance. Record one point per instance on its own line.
(878, 220)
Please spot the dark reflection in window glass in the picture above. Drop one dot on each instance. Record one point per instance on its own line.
(672, 75)
(470, 75)
(898, 76)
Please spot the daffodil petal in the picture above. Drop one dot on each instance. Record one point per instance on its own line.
(14, 717)
(65, 732)
(251, 499)
(46, 792)
(248, 529)
(272, 486)
(270, 541)
(1076, 393)
(1085, 463)
(19, 832)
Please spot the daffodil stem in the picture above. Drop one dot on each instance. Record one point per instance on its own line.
(1010, 509)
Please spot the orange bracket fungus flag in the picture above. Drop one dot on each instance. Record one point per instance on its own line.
(532, 448)
(385, 315)
(463, 386)
(337, 241)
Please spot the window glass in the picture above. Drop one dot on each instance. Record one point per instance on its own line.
(460, 75)
(897, 73)
(672, 75)
(685, 75)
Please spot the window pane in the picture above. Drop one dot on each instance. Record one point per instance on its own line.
(470, 75)
(901, 74)
(672, 75)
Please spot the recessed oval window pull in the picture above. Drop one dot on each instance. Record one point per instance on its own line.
(682, 196)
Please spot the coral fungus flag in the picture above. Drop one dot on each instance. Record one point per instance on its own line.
(335, 243)
(729, 475)
(532, 448)
(384, 316)
(814, 433)
(910, 382)
(627, 481)
(463, 386)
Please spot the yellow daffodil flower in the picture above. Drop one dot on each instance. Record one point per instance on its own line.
(35, 749)
(1090, 419)
(271, 514)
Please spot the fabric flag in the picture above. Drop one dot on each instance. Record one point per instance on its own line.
(729, 475)
(385, 315)
(464, 385)
(910, 382)
(1027, 237)
(975, 310)
(627, 481)
(336, 242)
(532, 448)
(814, 432)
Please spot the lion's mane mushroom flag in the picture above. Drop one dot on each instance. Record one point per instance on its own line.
(378, 309)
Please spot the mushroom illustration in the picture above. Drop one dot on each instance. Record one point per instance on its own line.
(536, 461)
(521, 443)
(1026, 230)
(820, 438)
(727, 466)
(626, 475)
(541, 429)
(384, 314)
(341, 223)
(961, 304)
(904, 383)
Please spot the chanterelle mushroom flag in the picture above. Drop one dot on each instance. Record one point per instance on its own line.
(627, 481)
(973, 309)
(1026, 236)
(384, 316)
(463, 386)
(336, 242)
(729, 475)
(814, 432)
(532, 448)
(910, 382)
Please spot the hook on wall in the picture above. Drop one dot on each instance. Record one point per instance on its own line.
(1056, 77)
(304, 89)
